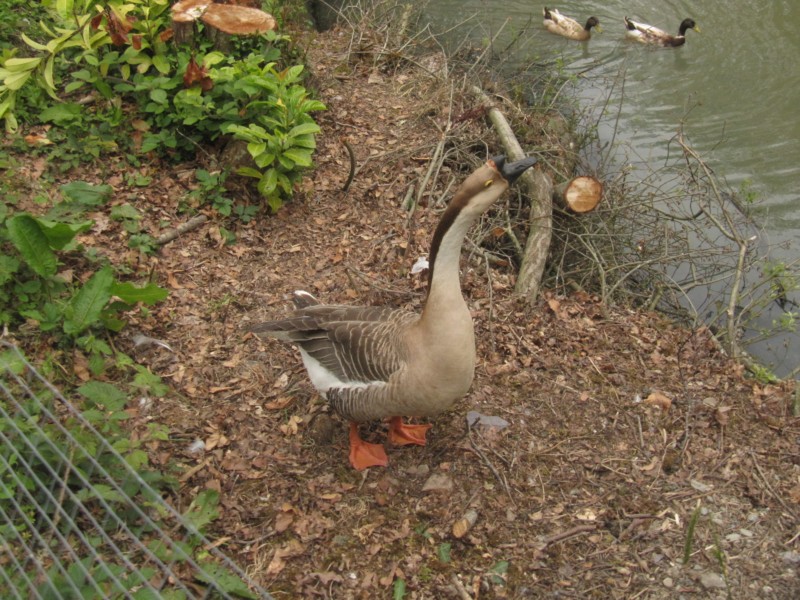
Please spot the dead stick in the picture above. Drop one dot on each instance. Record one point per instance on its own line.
(769, 487)
(352, 174)
(462, 591)
(170, 235)
(496, 473)
(540, 190)
(569, 533)
(194, 470)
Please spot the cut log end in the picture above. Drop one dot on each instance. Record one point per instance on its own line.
(581, 194)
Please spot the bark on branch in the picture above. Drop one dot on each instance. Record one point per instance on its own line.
(172, 234)
(540, 189)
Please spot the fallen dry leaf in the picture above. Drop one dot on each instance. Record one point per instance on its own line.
(465, 523)
(80, 366)
(721, 415)
(283, 520)
(216, 440)
(291, 427)
(290, 550)
(660, 400)
(278, 404)
(649, 467)
(35, 139)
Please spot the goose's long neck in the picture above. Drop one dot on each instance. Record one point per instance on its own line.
(444, 286)
(478, 192)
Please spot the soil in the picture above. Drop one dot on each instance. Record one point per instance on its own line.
(622, 455)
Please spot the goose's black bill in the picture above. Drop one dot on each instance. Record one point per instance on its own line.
(511, 171)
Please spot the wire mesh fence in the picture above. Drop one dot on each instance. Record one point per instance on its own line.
(77, 520)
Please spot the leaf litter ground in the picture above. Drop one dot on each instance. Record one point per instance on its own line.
(637, 460)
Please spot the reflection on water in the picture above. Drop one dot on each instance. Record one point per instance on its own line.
(734, 88)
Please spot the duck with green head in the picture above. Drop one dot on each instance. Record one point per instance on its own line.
(647, 34)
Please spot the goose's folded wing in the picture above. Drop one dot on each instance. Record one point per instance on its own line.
(354, 344)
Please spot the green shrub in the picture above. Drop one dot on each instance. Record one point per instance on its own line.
(31, 289)
(180, 98)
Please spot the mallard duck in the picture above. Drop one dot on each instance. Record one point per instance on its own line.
(557, 23)
(375, 363)
(647, 34)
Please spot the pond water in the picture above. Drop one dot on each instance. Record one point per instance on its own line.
(734, 88)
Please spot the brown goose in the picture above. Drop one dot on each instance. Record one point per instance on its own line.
(376, 362)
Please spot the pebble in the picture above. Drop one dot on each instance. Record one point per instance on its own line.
(438, 482)
(711, 580)
(791, 557)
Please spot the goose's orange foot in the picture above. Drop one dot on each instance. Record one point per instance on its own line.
(402, 434)
(363, 454)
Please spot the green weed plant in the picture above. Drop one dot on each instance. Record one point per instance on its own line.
(180, 98)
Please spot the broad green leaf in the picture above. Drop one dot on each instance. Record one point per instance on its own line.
(212, 58)
(137, 459)
(150, 382)
(284, 183)
(60, 234)
(225, 579)
(125, 211)
(100, 490)
(203, 509)
(299, 156)
(111, 322)
(399, 589)
(48, 72)
(85, 307)
(443, 552)
(14, 81)
(93, 416)
(264, 160)
(161, 63)
(286, 162)
(268, 182)
(17, 65)
(144, 65)
(305, 141)
(104, 394)
(249, 172)
(256, 148)
(11, 362)
(8, 266)
(303, 129)
(149, 294)
(274, 202)
(62, 114)
(31, 242)
(46, 29)
(64, 8)
(499, 571)
(291, 74)
(158, 96)
(32, 43)
(86, 193)
(62, 41)
(312, 105)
